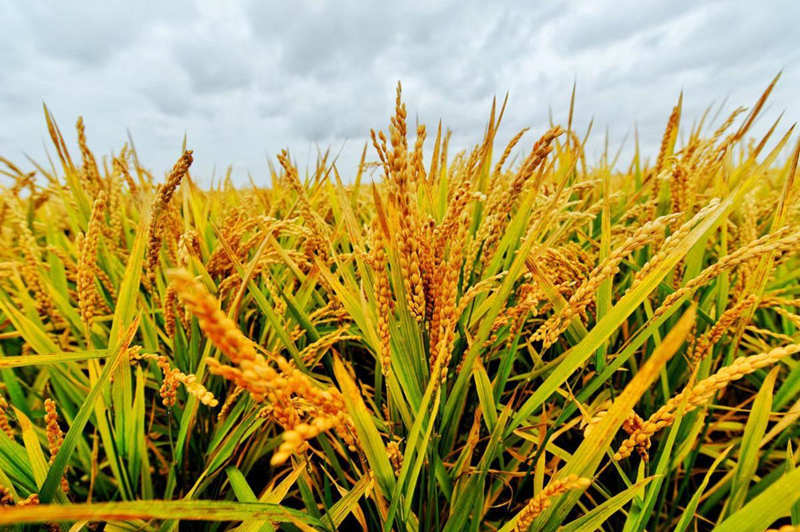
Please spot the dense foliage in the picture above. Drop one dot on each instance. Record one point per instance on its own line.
(473, 342)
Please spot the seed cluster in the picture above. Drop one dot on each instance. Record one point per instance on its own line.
(700, 394)
(55, 437)
(323, 408)
(159, 212)
(542, 500)
(172, 377)
(88, 296)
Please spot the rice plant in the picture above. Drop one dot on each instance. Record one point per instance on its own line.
(505, 338)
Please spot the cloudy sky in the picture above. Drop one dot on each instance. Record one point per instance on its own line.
(251, 78)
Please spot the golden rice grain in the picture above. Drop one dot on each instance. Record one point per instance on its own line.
(701, 393)
(160, 204)
(88, 296)
(55, 437)
(542, 500)
(5, 426)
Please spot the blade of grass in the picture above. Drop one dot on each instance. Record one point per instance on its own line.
(587, 457)
(618, 314)
(754, 431)
(155, 509)
(76, 428)
(763, 510)
(594, 519)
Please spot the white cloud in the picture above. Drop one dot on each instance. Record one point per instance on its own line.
(248, 79)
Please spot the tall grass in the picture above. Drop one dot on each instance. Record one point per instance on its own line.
(448, 342)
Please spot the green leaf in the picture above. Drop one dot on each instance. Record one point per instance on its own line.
(754, 431)
(76, 428)
(594, 519)
(155, 509)
(485, 395)
(33, 447)
(242, 490)
(576, 356)
(368, 434)
(587, 457)
(51, 358)
(689, 512)
(767, 507)
(348, 503)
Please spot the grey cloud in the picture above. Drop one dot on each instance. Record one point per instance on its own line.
(317, 38)
(168, 98)
(87, 32)
(245, 79)
(605, 23)
(213, 68)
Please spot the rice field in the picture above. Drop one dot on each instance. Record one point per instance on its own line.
(509, 338)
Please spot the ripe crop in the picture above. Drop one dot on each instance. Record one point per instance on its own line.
(506, 338)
